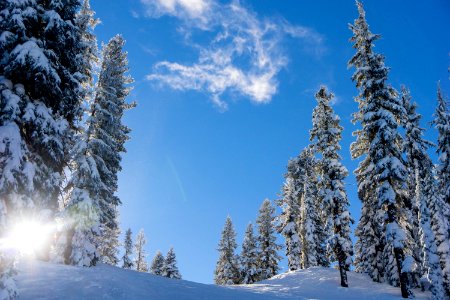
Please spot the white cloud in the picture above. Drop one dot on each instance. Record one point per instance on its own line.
(244, 56)
(191, 9)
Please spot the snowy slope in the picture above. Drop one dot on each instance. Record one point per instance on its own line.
(39, 280)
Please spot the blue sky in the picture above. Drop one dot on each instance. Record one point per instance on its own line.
(225, 92)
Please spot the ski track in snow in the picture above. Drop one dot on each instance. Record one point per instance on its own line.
(41, 280)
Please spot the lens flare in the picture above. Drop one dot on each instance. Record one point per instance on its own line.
(28, 237)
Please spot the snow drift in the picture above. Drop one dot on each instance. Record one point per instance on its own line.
(40, 280)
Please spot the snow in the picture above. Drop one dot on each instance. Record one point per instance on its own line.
(41, 280)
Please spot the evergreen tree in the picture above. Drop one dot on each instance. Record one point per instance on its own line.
(170, 269)
(127, 263)
(442, 124)
(140, 259)
(106, 133)
(249, 257)
(440, 205)
(326, 135)
(109, 245)
(77, 244)
(88, 61)
(439, 228)
(268, 257)
(157, 266)
(309, 212)
(418, 164)
(381, 175)
(40, 100)
(79, 194)
(227, 268)
(289, 224)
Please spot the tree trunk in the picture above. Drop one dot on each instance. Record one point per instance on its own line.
(399, 256)
(343, 272)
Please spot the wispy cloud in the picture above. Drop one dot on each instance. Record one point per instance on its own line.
(243, 56)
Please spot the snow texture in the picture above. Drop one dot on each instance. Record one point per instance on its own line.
(108, 282)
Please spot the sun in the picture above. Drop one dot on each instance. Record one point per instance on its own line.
(28, 237)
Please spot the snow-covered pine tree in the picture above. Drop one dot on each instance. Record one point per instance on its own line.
(109, 245)
(420, 168)
(309, 213)
(77, 245)
(170, 269)
(440, 208)
(382, 174)
(326, 135)
(40, 97)
(442, 123)
(289, 221)
(417, 162)
(227, 266)
(249, 257)
(88, 61)
(369, 232)
(106, 132)
(67, 249)
(140, 259)
(127, 263)
(431, 267)
(268, 257)
(439, 225)
(157, 266)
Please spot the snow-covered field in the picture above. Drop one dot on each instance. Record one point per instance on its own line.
(40, 280)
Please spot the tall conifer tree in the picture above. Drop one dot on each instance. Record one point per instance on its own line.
(127, 263)
(382, 174)
(440, 203)
(289, 221)
(442, 124)
(106, 133)
(40, 100)
(227, 267)
(140, 258)
(268, 257)
(249, 257)
(326, 135)
(418, 163)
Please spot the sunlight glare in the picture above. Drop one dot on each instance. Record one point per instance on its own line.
(28, 237)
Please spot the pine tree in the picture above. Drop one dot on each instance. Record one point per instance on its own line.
(326, 135)
(309, 212)
(227, 268)
(40, 100)
(127, 263)
(80, 191)
(419, 167)
(77, 245)
(382, 174)
(88, 61)
(170, 269)
(442, 124)
(370, 232)
(439, 227)
(106, 133)
(249, 257)
(440, 203)
(289, 225)
(268, 257)
(140, 259)
(109, 245)
(157, 266)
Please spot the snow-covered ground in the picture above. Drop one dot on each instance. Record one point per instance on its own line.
(40, 280)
